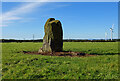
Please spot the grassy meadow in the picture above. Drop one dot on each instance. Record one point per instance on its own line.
(16, 65)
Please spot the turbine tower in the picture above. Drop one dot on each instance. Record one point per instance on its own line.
(105, 35)
(111, 30)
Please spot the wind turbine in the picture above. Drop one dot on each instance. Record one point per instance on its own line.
(105, 35)
(111, 29)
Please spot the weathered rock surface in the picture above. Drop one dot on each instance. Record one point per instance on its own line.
(53, 38)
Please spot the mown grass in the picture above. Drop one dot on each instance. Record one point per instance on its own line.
(16, 65)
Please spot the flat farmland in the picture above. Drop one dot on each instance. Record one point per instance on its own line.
(17, 65)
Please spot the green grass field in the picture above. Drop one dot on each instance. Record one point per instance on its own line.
(16, 65)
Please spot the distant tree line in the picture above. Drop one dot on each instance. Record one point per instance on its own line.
(65, 40)
(13, 40)
(94, 40)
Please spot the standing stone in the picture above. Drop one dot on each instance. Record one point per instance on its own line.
(53, 38)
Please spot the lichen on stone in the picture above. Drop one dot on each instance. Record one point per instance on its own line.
(53, 38)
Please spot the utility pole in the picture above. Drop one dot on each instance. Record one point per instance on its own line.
(33, 37)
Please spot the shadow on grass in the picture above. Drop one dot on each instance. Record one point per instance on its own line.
(95, 53)
(104, 54)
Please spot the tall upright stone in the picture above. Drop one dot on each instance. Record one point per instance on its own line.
(53, 38)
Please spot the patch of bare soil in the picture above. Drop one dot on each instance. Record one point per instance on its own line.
(64, 53)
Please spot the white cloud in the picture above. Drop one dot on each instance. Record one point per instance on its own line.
(3, 25)
(8, 22)
(15, 14)
(11, 18)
